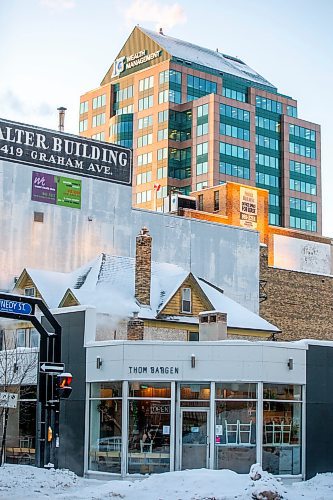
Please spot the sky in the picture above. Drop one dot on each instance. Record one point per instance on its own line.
(52, 51)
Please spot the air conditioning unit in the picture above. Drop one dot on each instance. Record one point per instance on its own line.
(174, 202)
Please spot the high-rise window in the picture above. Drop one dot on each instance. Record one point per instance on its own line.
(198, 87)
(145, 122)
(83, 125)
(98, 120)
(84, 107)
(146, 83)
(233, 94)
(268, 104)
(99, 101)
(146, 102)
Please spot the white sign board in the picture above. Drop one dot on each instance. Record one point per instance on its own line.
(302, 255)
(8, 400)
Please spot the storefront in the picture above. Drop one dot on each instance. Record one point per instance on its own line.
(156, 407)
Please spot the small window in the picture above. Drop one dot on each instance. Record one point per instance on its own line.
(216, 200)
(34, 338)
(186, 300)
(38, 217)
(30, 291)
(193, 336)
(21, 337)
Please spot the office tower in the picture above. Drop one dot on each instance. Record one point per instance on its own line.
(197, 118)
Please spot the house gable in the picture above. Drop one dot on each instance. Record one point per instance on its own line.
(69, 300)
(139, 52)
(26, 282)
(199, 300)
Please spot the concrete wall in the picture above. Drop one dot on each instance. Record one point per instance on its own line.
(69, 237)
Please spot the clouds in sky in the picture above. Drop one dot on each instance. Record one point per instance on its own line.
(15, 107)
(58, 4)
(153, 11)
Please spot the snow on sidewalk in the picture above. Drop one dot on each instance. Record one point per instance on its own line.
(20, 482)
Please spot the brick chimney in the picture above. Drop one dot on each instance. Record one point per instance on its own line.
(212, 326)
(135, 328)
(143, 267)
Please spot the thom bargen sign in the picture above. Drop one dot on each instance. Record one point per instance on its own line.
(44, 148)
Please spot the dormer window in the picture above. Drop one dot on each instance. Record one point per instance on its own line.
(30, 291)
(186, 300)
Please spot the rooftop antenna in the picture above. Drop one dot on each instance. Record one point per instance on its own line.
(61, 118)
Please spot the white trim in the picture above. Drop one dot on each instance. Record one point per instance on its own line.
(212, 427)
(86, 431)
(173, 425)
(124, 430)
(260, 421)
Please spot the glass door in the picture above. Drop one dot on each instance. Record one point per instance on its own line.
(194, 438)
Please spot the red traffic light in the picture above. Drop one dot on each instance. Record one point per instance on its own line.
(65, 380)
(63, 385)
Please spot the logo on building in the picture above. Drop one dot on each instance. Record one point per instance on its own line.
(128, 62)
(118, 66)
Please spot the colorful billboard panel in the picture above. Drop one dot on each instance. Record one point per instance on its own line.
(57, 190)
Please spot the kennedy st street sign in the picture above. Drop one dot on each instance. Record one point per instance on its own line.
(51, 368)
(13, 306)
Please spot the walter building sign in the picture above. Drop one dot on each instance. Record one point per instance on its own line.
(44, 148)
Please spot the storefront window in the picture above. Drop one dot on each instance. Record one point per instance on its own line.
(149, 428)
(235, 427)
(194, 395)
(149, 390)
(21, 430)
(282, 429)
(105, 427)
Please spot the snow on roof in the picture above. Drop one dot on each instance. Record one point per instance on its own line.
(206, 57)
(237, 315)
(50, 284)
(107, 283)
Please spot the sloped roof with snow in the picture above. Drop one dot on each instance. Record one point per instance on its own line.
(206, 57)
(107, 283)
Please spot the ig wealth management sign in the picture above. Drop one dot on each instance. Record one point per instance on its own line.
(53, 150)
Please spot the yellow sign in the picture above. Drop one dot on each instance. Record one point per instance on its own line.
(248, 212)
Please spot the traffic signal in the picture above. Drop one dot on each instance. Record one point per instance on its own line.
(64, 385)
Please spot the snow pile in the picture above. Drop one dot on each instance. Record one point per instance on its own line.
(319, 487)
(264, 486)
(185, 485)
(24, 478)
(20, 482)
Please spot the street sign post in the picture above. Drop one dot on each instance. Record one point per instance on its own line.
(8, 400)
(51, 368)
(16, 307)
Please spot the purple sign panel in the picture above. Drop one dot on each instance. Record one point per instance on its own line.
(44, 188)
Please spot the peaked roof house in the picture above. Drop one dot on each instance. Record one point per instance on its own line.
(166, 300)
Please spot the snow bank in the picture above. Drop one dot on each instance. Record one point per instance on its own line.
(20, 482)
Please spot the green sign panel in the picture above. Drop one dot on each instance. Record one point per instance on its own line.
(68, 192)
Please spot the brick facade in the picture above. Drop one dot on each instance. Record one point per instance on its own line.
(298, 303)
(135, 328)
(143, 267)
